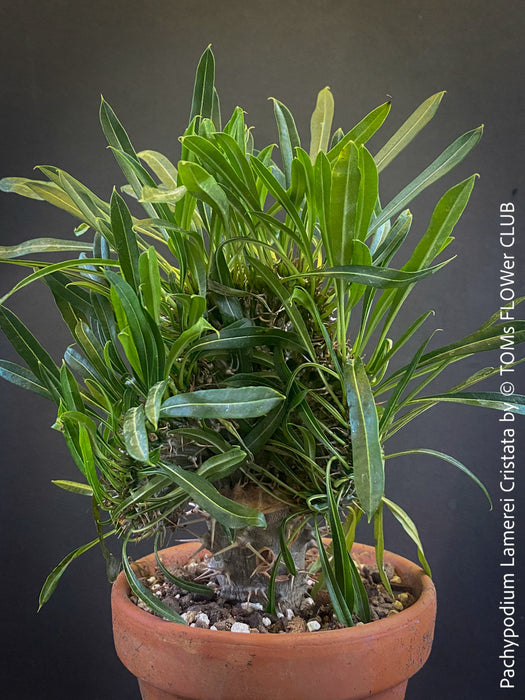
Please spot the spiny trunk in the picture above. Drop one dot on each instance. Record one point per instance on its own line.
(244, 566)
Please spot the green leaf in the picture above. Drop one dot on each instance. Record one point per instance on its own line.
(22, 377)
(444, 218)
(18, 185)
(453, 155)
(160, 194)
(341, 558)
(143, 333)
(73, 487)
(481, 340)
(288, 136)
(372, 276)
(153, 402)
(341, 609)
(279, 193)
(380, 548)
(247, 337)
(42, 245)
(202, 102)
(362, 131)
(145, 595)
(49, 269)
(321, 123)
(227, 512)
(450, 460)
(204, 186)
(25, 343)
(183, 583)
(513, 403)
(135, 434)
(246, 402)
(404, 135)
(161, 166)
(216, 163)
(222, 465)
(411, 530)
(367, 455)
(150, 282)
(125, 240)
(346, 178)
(52, 580)
(54, 195)
(392, 405)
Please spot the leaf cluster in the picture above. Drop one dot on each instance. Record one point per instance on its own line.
(234, 321)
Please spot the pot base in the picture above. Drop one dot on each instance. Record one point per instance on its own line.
(149, 692)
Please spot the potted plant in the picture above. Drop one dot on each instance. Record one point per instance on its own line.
(234, 356)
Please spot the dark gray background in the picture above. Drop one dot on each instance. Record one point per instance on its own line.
(56, 57)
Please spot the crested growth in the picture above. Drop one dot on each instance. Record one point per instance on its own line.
(232, 317)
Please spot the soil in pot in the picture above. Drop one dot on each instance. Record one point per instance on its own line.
(315, 612)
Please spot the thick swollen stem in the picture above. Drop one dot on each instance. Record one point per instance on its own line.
(245, 564)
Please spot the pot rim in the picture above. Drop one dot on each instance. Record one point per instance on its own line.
(371, 630)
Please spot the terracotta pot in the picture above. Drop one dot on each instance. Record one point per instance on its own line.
(375, 660)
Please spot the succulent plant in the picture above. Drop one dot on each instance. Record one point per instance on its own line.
(232, 343)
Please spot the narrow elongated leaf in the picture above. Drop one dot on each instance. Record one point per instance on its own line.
(222, 465)
(73, 487)
(22, 377)
(513, 403)
(125, 240)
(183, 583)
(481, 340)
(49, 269)
(42, 245)
(372, 276)
(361, 131)
(341, 557)
(411, 530)
(216, 163)
(142, 592)
(229, 305)
(346, 178)
(150, 283)
(25, 343)
(367, 455)
(52, 580)
(18, 185)
(288, 136)
(392, 403)
(47, 191)
(153, 402)
(202, 101)
(247, 337)
(321, 123)
(453, 155)
(161, 166)
(279, 193)
(227, 512)
(135, 434)
(163, 195)
(204, 186)
(248, 402)
(450, 460)
(444, 218)
(341, 609)
(404, 135)
(380, 548)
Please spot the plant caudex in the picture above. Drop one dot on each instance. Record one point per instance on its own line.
(232, 346)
